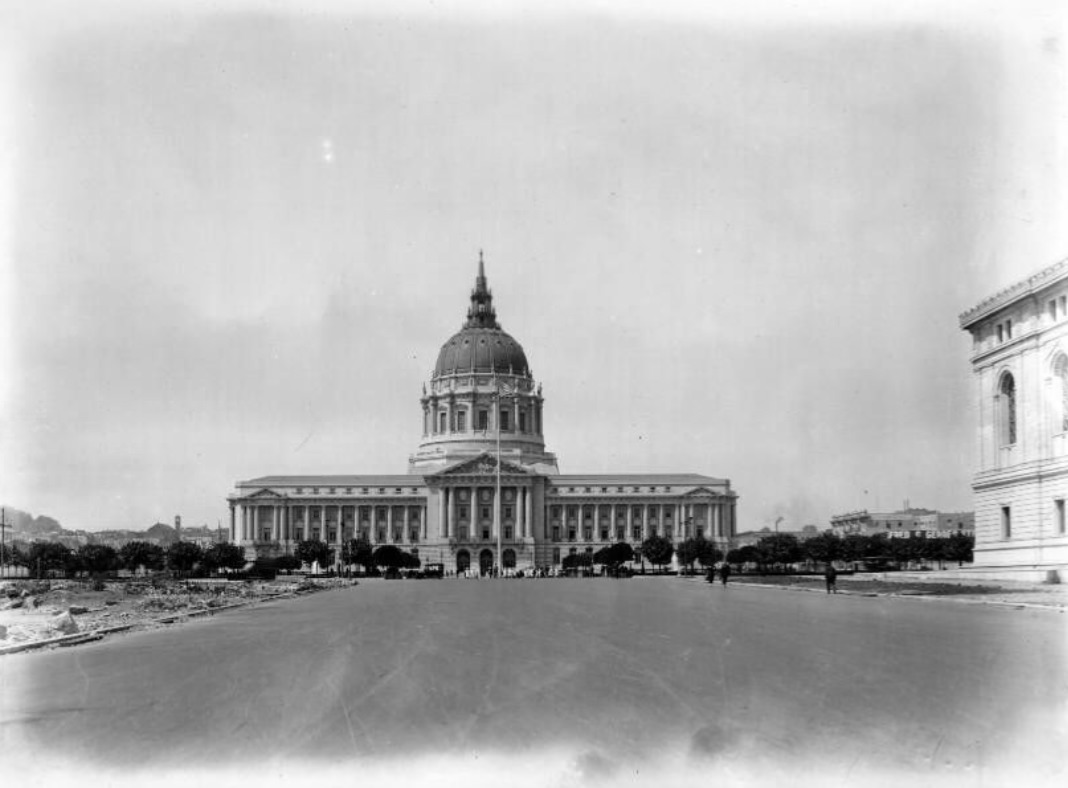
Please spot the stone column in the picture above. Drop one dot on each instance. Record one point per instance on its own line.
(389, 524)
(528, 511)
(443, 522)
(715, 521)
(645, 521)
(424, 525)
(630, 521)
(233, 525)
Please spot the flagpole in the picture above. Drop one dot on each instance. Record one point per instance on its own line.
(497, 508)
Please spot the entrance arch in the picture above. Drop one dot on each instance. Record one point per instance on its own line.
(508, 559)
(463, 562)
(485, 561)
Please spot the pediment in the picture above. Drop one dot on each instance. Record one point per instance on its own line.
(702, 492)
(264, 492)
(483, 465)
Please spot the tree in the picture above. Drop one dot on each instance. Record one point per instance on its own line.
(411, 561)
(658, 550)
(224, 555)
(96, 558)
(823, 549)
(137, 554)
(707, 552)
(779, 550)
(311, 551)
(48, 556)
(183, 556)
(621, 553)
(388, 556)
(687, 553)
(287, 563)
(960, 548)
(358, 551)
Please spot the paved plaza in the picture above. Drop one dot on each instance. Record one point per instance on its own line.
(560, 680)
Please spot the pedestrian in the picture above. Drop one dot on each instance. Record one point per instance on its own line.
(724, 573)
(711, 576)
(831, 576)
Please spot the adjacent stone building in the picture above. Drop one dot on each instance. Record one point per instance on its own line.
(480, 404)
(1020, 365)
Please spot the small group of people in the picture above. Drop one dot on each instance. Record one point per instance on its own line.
(724, 573)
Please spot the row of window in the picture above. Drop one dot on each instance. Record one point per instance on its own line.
(1004, 330)
(1059, 522)
(348, 491)
(459, 421)
(331, 535)
(588, 490)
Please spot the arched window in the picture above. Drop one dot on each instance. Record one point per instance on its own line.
(1007, 390)
(1060, 393)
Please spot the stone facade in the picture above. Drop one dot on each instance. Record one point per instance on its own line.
(1020, 366)
(481, 403)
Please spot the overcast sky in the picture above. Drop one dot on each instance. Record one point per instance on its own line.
(732, 244)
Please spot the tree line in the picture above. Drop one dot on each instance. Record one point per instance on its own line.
(42, 558)
(772, 552)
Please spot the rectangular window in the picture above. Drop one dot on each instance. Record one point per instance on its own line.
(1001, 333)
(462, 512)
(508, 513)
(442, 421)
(1008, 329)
(463, 533)
(1006, 522)
(604, 534)
(556, 556)
(571, 534)
(522, 421)
(1059, 507)
(1053, 309)
(508, 532)
(483, 420)
(1064, 306)
(299, 535)
(636, 532)
(505, 423)
(556, 533)
(486, 513)
(332, 535)
(461, 421)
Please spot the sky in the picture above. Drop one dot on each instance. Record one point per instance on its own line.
(233, 238)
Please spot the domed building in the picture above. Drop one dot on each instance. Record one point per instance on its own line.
(481, 490)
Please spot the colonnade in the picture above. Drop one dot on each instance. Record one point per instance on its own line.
(717, 522)
(249, 522)
(451, 498)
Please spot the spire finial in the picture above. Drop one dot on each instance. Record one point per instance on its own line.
(481, 314)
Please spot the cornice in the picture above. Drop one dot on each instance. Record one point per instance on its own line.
(1003, 298)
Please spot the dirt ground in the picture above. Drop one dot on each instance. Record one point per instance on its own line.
(33, 611)
(1003, 592)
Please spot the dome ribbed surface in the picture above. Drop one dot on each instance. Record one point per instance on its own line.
(481, 350)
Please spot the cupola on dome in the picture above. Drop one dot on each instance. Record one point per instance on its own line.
(481, 345)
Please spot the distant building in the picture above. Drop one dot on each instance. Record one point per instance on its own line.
(480, 404)
(1020, 366)
(904, 524)
(747, 538)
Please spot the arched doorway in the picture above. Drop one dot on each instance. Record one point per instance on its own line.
(485, 561)
(508, 558)
(463, 562)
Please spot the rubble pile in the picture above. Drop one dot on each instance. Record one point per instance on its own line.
(43, 610)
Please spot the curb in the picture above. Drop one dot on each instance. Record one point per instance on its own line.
(919, 596)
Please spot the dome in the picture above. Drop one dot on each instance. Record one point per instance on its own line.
(481, 350)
